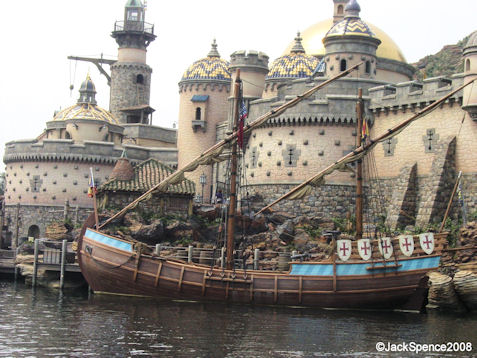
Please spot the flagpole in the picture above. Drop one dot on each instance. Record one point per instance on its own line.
(95, 207)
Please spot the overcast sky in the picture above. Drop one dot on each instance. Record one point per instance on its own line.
(38, 36)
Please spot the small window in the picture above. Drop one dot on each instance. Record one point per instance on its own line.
(343, 65)
(67, 135)
(198, 114)
(140, 79)
(133, 16)
(133, 119)
(467, 65)
(340, 10)
(368, 67)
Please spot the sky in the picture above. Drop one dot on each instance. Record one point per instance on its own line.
(38, 36)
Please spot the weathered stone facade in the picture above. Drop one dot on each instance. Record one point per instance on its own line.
(33, 219)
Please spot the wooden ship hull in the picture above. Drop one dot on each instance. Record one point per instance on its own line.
(111, 265)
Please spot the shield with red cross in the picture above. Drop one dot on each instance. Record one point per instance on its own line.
(344, 249)
(385, 247)
(406, 244)
(427, 242)
(364, 249)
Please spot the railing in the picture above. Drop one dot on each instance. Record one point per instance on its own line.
(216, 257)
(137, 26)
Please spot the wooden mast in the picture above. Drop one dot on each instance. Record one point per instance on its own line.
(359, 169)
(233, 179)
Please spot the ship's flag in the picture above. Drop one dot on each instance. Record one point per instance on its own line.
(92, 186)
(242, 116)
(365, 129)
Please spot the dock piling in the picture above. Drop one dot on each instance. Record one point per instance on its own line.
(256, 257)
(63, 260)
(35, 262)
(189, 253)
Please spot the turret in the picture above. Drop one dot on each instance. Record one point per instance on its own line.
(130, 75)
(349, 42)
(338, 13)
(204, 89)
(469, 102)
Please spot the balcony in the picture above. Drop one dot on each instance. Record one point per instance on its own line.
(199, 124)
(134, 26)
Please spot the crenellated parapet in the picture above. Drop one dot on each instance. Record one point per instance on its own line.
(249, 60)
(414, 95)
(65, 150)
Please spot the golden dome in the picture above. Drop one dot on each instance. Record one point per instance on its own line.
(313, 41)
(86, 111)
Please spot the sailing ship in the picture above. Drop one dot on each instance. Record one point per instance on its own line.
(366, 273)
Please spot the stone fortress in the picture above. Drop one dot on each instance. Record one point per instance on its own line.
(416, 167)
(47, 177)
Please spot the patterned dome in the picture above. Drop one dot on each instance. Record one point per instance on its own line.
(86, 107)
(85, 111)
(211, 67)
(351, 26)
(296, 64)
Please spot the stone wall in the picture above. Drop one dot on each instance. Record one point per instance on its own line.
(157, 205)
(327, 201)
(41, 216)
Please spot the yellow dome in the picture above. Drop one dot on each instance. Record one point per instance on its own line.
(85, 111)
(313, 41)
(209, 68)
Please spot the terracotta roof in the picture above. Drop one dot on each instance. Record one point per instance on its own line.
(123, 170)
(146, 175)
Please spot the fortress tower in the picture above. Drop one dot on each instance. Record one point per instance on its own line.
(130, 75)
(349, 42)
(469, 102)
(204, 90)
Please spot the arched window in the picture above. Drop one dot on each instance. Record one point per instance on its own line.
(67, 135)
(197, 114)
(343, 65)
(368, 67)
(467, 65)
(340, 9)
(140, 79)
(34, 231)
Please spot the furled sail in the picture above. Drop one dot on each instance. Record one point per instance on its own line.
(305, 188)
(212, 155)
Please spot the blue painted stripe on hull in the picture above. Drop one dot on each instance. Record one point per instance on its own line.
(348, 269)
(118, 244)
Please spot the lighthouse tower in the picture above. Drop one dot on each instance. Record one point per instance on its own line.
(130, 75)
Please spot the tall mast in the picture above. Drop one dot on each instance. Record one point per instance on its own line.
(359, 169)
(233, 180)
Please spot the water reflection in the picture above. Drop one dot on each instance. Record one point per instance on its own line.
(48, 323)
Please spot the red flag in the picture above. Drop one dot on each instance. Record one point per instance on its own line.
(242, 115)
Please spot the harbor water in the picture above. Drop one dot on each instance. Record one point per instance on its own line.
(47, 323)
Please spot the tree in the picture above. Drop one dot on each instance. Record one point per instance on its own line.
(2, 183)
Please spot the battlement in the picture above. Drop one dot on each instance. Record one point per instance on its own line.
(249, 59)
(88, 151)
(414, 93)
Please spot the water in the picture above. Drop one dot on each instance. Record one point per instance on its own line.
(44, 323)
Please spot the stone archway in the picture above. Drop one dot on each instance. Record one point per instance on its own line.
(34, 231)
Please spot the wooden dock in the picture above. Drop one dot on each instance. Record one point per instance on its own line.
(47, 258)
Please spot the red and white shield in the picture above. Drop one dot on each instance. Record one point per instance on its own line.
(427, 242)
(344, 249)
(364, 249)
(385, 247)
(406, 244)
